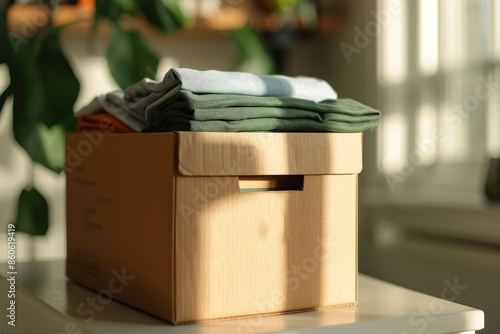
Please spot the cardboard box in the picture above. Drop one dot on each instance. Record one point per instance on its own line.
(201, 226)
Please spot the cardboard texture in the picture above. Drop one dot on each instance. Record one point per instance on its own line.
(201, 226)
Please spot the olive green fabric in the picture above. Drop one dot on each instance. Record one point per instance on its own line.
(187, 111)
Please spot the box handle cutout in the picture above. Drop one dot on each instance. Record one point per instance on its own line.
(260, 183)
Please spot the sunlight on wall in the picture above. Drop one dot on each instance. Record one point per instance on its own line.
(455, 146)
(428, 37)
(451, 48)
(4, 73)
(97, 78)
(451, 38)
(393, 52)
(394, 142)
(493, 122)
(493, 119)
(495, 36)
(427, 124)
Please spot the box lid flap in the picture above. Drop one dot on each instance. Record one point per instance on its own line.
(265, 153)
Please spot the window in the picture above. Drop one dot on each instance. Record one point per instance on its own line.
(439, 77)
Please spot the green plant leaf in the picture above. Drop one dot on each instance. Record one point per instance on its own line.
(39, 121)
(32, 213)
(107, 9)
(252, 55)
(127, 6)
(43, 144)
(52, 144)
(4, 41)
(30, 102)
(285, 5)
(165, 15)
(129, 58)
(58, 80)
(112, 9)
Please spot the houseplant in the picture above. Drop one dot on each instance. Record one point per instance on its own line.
(44, 87)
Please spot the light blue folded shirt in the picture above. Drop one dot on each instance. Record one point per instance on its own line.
(222, 82)
(146, 92)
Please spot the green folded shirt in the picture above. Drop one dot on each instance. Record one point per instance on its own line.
(234, 113)
(266, 124)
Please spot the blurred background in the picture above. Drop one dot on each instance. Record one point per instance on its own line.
(429, 217)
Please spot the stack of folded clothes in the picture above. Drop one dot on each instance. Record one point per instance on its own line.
(191, 100)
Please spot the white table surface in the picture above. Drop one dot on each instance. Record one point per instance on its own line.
(382, 309)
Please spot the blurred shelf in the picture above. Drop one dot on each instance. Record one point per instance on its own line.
(25, 20)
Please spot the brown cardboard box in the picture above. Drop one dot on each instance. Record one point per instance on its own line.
(200, 226)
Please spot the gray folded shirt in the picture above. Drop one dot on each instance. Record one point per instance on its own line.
(114, 104)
